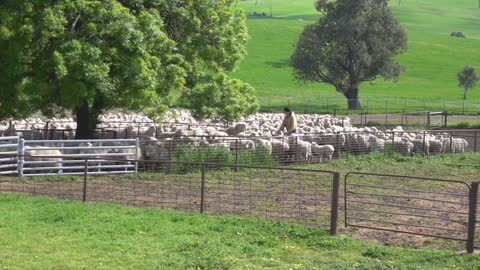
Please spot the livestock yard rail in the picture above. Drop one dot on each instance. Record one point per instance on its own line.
(9, 148)
(384, 205)
(66, 157)
(412, 205)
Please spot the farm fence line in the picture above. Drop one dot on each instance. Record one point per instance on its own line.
(335, 105)
(65, 157)
(419, 206)
(410, 120)
(266, 151)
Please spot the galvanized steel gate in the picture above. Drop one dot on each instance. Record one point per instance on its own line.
(412, 205)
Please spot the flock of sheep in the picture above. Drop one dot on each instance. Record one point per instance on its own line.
(319, 138)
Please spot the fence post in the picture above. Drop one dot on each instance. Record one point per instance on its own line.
(472, 216)
(85, 176)
(202, 190)
(334, 209)
(393, 144)
(445, 118)
(386, 121)
(429, 123)
(236, 155)
(170, 155)
(137, 146)
(475, 141)
(21, 156)
(451, 143)
(337, 147)
(295, 151)
(424, 141)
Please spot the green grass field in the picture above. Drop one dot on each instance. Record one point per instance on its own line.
(432, 60)
(41, 233)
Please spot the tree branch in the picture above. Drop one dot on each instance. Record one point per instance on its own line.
(323, 77)
(72, 28)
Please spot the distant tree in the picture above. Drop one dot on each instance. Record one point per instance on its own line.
(354, 42)
(89, 56)
(467, 79)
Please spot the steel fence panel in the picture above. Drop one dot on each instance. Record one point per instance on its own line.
(412, 205)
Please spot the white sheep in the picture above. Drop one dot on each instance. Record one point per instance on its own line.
(421, 146)
(435, 147)
(49, 157)
(301, 150)
(321, 153)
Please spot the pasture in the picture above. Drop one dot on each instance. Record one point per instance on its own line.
(297, 195)
(432, 60)
(43, 233)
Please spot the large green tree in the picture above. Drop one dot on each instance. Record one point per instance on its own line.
(354, 41)
(89, 56)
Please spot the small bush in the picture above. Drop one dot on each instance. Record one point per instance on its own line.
(258, 14)
(458, 34)
(375, 252)
(220, 155)
(260, 156)
(373, 124)
(463, 125)
(474, 125)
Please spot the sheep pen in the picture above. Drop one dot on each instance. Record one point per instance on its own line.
(251, 141)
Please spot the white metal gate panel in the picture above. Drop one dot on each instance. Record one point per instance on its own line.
(8, 153)
(74, 157)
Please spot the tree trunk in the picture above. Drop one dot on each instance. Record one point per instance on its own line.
(353, 101)
(465, 94)
(87, 119)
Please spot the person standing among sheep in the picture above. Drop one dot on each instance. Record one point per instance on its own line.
(289, 122)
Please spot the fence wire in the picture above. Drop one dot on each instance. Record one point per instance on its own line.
(411, 205)
(423, 207)
(281, 194)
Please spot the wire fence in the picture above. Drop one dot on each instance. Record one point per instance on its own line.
(236, 151)
(412, 205)
(413, 120)
(283, 194)
(422, 207)
(338, 106)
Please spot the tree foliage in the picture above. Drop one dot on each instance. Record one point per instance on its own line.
(467, 79)
(354, 42)
(92, 55)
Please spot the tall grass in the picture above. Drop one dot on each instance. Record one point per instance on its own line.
(220, 155)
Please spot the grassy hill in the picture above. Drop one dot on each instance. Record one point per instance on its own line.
(432, 60)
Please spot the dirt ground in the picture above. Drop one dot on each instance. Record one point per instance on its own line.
(305, 200)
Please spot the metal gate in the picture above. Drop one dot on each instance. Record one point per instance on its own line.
(412, 205)
(8, 153)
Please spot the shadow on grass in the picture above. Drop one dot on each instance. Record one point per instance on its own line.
(278, 64)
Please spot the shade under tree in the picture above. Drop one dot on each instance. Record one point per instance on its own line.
(88, 56)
